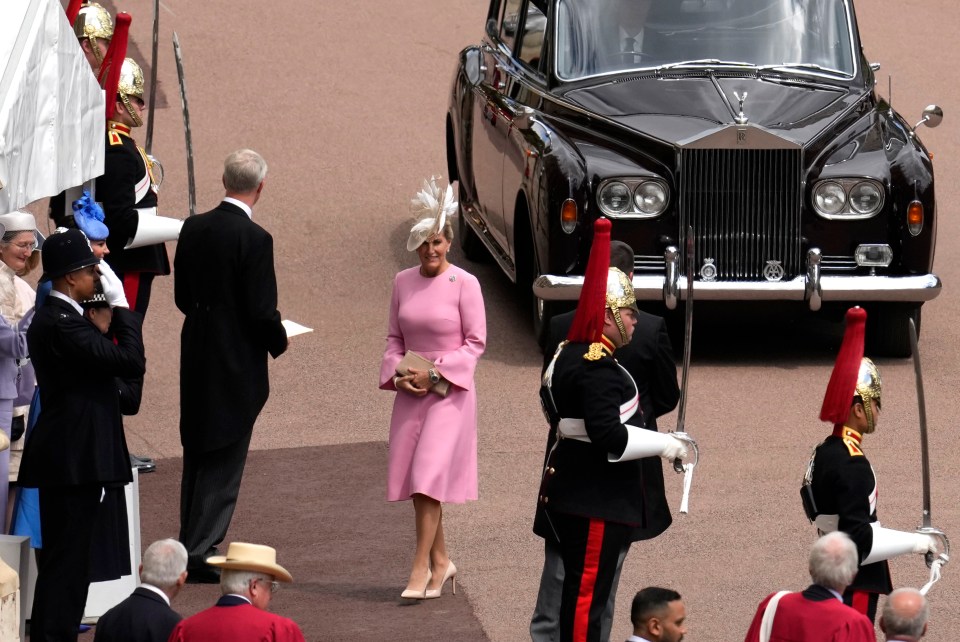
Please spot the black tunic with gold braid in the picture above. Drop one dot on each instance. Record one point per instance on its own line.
(844, 486)
(578, 479)
(125, 187)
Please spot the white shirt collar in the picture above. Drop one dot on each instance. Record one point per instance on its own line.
(835, 594)
(60, 295)
(637, 638)
(242, 597)
(241, 205)
(151, 587)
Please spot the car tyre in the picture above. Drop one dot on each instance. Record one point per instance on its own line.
(887, 331)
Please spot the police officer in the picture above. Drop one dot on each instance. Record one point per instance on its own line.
(590, 504)
(128, 192)
(840, 489)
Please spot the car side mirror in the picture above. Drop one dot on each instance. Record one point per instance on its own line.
(473, 65)
(932, 116)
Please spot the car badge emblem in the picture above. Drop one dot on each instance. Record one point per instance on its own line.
(741, 117)
(708, 271)
(774, 271)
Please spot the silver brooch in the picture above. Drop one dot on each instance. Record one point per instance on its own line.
(453, 277)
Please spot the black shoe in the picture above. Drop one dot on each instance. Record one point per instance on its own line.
(203, 575)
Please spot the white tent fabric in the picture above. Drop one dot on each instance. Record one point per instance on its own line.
(52, 119)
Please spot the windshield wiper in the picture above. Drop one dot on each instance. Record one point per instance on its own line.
(706, 62)
(803, 66)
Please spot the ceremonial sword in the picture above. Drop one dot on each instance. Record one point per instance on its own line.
(926, 523)
(191, 177)
(148, 147)
(680, 432)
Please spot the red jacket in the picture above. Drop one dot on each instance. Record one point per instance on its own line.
(815, 615)
(235, 620)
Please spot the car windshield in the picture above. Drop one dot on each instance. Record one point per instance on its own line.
(596, 37)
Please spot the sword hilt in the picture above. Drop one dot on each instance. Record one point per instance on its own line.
(944, 545)
(692, 443)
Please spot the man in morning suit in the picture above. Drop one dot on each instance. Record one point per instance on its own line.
(224, 283)
(146, 615)
(818, 613)
(77, 449)
(590, 503)
(648, 357)
(249, 578)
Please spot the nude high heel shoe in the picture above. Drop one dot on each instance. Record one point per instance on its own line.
(449, 574)
(410, 594)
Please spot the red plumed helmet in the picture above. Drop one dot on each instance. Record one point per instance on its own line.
(588, 320)
(843, 380)
(113, 61)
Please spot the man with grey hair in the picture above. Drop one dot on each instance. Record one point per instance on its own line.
(817, 613)
(904, 616)
(225, 285)
(250, 575)
(146, 615)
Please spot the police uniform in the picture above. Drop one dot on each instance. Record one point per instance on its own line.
(127, 191)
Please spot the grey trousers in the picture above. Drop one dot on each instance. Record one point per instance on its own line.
(545, 623)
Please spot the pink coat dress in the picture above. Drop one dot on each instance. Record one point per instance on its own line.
(433, 440)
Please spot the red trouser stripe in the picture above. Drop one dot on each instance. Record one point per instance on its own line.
(131, 287)
(860, 601)
(591, 564)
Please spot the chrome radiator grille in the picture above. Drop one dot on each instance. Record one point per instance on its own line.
(744, 207)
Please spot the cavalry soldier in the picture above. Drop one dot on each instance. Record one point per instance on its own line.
(840, 489)
(128, 191)
(590, 503)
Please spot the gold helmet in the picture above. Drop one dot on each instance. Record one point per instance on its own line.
(93, 21)
(620, 294)
(131, 84)
(868, 387)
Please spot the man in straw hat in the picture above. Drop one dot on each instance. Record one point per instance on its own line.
(840, 489)
(248, 578)
(590, 504)
(77, 448)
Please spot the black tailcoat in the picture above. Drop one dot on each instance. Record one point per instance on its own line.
(225, 285)
(844, 485)
(649, 360)
(78, 438)
(124, 168)
(143, 617)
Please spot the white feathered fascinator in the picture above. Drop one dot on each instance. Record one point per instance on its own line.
(431, 208)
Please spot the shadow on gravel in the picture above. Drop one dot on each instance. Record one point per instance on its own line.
(348, 549)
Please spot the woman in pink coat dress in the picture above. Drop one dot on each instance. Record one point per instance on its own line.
(436, 311)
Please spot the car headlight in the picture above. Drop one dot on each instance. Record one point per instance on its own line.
(848, 198)
(650, 197)
(829, 198)
(615, 197)
(633, 197)
(866, 197)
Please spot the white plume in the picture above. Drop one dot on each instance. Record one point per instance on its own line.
(431, 208)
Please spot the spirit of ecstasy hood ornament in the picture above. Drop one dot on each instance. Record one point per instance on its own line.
(741, 118)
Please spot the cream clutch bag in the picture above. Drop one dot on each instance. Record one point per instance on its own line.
(414, 360)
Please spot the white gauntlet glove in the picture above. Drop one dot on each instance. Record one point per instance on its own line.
(888, 543)
(112, 287)
(648, 443)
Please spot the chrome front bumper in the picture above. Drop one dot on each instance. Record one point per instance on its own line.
(814, 288)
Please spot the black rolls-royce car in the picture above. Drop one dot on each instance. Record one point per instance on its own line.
(755, 123)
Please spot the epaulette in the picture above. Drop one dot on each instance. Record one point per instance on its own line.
(114, 138)
(595, 352)
(853, 447)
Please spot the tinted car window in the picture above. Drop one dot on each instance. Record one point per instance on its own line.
(531, 41)
(606, 36)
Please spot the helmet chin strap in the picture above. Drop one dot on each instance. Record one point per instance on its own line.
(868, 412)
(137, 121)
(619, 322)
